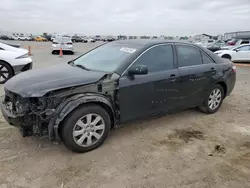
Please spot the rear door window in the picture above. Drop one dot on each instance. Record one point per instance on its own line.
(188, 56)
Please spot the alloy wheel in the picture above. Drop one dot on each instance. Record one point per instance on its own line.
(4, 73)
(214, 99)
(88, 130)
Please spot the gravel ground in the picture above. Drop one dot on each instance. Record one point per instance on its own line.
(183, 150)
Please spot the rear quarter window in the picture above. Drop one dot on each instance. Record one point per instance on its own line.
(206, 59)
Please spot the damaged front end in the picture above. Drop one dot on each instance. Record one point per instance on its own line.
(31, 115)
(42, 115)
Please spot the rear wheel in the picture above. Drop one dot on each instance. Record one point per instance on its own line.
(85, 128)
(227, 56)
(213, 100)
(6, 72)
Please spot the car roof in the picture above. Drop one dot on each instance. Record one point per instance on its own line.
(7, 47)
(150, 42)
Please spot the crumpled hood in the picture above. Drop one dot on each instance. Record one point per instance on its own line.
(36, 83)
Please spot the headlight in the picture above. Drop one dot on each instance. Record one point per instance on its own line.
(23, 56)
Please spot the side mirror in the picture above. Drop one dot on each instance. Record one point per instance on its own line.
(138, 70)
(236, 50)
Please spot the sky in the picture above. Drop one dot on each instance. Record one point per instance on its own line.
(129, 17)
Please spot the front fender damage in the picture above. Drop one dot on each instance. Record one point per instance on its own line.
(104, 91)
(42, 115)
(69, 105)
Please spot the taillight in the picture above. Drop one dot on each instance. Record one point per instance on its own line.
(234, 68)
(69, 43)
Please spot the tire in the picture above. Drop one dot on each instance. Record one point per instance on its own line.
(6, 72)
(226, 56)
(54, 52)
(85, 132)
(206, 107)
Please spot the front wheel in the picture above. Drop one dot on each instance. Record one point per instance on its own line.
(213, 100)
(85, 128)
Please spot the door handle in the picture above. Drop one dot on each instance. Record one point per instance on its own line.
(213, 70)
(173, 78)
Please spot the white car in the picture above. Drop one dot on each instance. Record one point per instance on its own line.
(91, 40)
(237, 54)
(23, 38)
(13, 60)
(64, 43)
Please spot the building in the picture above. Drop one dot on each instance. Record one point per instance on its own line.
(237, 34)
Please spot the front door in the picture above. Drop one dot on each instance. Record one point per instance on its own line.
(241, 53)
(141, 96)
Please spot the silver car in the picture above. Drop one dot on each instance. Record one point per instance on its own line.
(64, 43)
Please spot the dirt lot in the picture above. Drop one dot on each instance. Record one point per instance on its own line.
(183, 150)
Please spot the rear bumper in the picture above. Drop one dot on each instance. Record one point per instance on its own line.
(63, 49)
(230, 83)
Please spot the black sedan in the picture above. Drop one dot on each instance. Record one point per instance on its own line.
(77, 39)
(119, 82)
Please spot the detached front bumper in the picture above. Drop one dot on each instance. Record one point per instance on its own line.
(13, 120)
(8, 116)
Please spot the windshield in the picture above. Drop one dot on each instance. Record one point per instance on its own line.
(107, 57)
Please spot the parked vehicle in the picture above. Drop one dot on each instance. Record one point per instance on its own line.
(5, 37)
(113, 84)
(237, 42)
(85, 40)
(104, 39)
(91, 40)
(237, 54)
(23, 38)
(15, 37)
(110, 39)
(48, 37)
(232, 42)
(77, 39)
(63, 43)
(215, 46)
(13, 60)
(98, 38)
(40, 39)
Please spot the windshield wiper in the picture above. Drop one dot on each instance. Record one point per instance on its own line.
(81, 66)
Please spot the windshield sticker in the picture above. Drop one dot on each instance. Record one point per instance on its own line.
(129, 50)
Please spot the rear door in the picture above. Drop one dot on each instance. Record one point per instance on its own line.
(196, 74)
(241, 53)
(144, 95)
